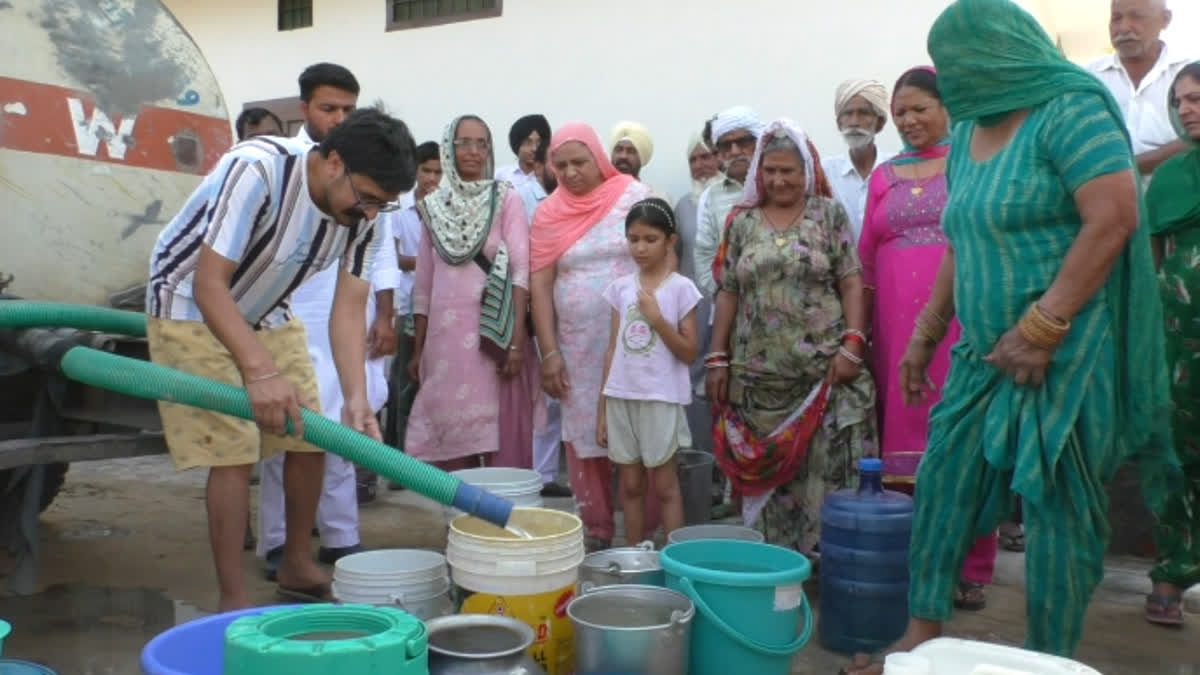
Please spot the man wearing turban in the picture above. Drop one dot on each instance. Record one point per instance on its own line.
(861, 107)
(735, 134)
(632, 148)
(526, 137)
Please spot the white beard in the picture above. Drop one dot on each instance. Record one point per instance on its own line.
(858, 138)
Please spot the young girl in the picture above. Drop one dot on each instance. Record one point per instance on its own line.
(646, 382)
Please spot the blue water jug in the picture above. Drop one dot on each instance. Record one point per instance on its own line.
(864, 564)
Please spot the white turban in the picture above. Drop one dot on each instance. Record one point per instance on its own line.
(696, 141)
(636, 134)
(874, 92)
(737, 117)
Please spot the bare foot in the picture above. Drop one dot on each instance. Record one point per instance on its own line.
(232, 604)
(919, 630)
(306, 576)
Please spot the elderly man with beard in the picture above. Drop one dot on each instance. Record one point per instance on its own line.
(861, 107)
(1139, 76)
(735, 132)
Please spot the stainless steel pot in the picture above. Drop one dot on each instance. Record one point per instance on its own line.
(631, 629)
(635, 565)
(480, 644)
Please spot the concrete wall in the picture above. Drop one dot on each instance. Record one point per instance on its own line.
(668, 64)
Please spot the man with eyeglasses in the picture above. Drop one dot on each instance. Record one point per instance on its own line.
(735, 132)
(329, 93)
(271, 214)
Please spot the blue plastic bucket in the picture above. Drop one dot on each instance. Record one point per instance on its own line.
(749, 601)
(193, 648)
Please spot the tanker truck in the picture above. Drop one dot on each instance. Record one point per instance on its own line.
(109, 118)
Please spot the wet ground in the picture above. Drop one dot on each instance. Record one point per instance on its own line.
(125, 556)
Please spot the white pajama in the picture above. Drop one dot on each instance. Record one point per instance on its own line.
(337, 511)
(546, 445)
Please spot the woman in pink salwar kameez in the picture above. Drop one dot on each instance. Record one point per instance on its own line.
(470, 411)
(901, 248)
(577, 248)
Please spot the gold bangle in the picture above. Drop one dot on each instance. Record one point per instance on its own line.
(1043, 315)
(1039, 330)
(934, 333)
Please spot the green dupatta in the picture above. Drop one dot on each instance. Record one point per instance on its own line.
(1173, 199)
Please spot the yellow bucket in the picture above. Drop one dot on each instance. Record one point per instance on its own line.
(532, 580)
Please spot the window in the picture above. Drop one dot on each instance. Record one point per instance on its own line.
(295, 14)
(419, 13)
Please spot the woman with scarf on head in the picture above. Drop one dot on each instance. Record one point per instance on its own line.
(472, 353)
(901, 247)
(795, 405)
(1059, 376)
(577, 248)
(1173, 207)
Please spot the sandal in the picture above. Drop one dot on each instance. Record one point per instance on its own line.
(970, 596)
(1164, 610)
(1012, 540)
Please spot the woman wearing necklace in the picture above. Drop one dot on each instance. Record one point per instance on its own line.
(794, 404)
(901, 248)
(473, 359)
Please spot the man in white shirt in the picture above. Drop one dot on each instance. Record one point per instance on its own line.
(735, 133)
(1139, 75)
(328, 93)
(406, 227)
(861, 107)
(525, 137)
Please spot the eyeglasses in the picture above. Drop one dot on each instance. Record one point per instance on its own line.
(363, 204)
(744, 142)
(472, 144)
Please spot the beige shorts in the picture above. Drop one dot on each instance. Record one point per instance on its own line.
(645, 432)
(198, 437)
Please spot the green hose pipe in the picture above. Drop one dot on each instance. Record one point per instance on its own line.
(33, 314)
(143, 379)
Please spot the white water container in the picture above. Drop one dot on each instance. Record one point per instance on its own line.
(414, 580)
(523, 487)
(486, 559)
(951, 656)
(907, 664)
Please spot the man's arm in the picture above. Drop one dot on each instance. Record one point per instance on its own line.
(348, 339)
(1150, 160)
(708, 237)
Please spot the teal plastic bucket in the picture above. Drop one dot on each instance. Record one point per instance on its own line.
(749, 601)
(5, 629)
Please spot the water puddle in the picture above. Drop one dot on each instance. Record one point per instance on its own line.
(88, 630)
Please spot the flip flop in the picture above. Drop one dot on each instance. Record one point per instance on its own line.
(970, 596)
(1164, 610)
(310, 595)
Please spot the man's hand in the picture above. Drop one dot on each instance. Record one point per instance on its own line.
(274, 401)
(382, 339)
(357, 415)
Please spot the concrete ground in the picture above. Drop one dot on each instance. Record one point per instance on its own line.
(125, 556)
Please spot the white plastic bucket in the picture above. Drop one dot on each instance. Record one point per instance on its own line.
(523, 487)
(952, 656)
(486, 559)
(414, 580)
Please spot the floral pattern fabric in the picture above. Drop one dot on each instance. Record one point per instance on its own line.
(787, 329)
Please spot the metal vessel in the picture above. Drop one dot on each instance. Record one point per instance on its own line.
(632, 565)
(480, 644)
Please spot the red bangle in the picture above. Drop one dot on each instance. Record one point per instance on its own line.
(851, 337)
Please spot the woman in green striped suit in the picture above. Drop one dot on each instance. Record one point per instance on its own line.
(1059, 376)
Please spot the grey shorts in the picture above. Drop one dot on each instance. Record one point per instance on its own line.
(645, 432)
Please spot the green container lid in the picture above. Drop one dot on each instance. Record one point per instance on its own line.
(322, 639)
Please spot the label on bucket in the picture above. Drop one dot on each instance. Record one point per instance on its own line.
(546, 613)
(788, 598)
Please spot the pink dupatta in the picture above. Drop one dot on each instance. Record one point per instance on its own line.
(563, 218)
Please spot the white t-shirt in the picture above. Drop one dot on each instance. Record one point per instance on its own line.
(643, 368)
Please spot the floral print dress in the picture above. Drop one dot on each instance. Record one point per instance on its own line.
(787, 329)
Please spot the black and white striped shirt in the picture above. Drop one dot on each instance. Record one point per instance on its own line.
(255, 209)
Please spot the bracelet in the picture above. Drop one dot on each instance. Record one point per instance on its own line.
(514, 348)
(855, 333)
(713, 365)
(716, 355)
(855, 337)
(850, 356)
(931, 326)
(553, 352)
(1040, 330)
(263, 378)
(1058, 322)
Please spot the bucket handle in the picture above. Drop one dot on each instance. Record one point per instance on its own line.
(786, 650)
